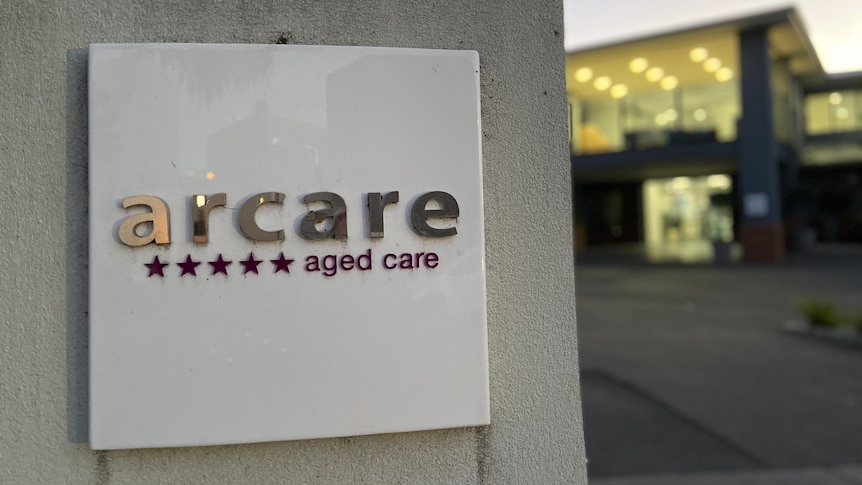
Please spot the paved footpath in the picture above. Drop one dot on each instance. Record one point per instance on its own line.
(814, 476)
(687, 376)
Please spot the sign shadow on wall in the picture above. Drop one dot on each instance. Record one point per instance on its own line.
(77, 247)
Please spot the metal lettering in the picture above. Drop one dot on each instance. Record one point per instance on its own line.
(419, 215)
(249, 226)
(337, 212)
(376, 203)
(158, 216)
(201, 207)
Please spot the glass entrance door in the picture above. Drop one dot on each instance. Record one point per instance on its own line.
(685, 216)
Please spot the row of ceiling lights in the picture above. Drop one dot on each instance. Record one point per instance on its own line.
(836, 100)
(655, 73)
(670, 115)
(711, 65)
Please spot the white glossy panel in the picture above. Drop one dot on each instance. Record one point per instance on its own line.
(214, 358)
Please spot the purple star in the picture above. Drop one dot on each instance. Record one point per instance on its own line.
(281, 264)
(188, 266)
(250, 264)
(220, 265)
(156, 267)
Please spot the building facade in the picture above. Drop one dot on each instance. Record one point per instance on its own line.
(723, 135)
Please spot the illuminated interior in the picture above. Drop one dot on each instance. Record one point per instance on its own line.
(671, 90)
(684, 209)
(833, 112)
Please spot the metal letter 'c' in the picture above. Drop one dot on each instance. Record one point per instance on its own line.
(249, 226)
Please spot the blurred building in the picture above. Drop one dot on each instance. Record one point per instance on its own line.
(724, 133)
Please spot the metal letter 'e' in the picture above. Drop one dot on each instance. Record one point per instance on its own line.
(419, 215)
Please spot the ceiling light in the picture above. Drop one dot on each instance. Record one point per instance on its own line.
(619, 90)
(653, 74)
(700, 114)
(842, 113)
(669, 83)
(602, 82)
(660, 119)
(724, 74)
(681, 183)
(583, 74)
(638, 65)
(671, 114)
(712, 64)
(835, 98)
(698, 54)
(721, 182)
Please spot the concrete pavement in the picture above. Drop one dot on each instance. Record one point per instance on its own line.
(812, 476)
(687, 375)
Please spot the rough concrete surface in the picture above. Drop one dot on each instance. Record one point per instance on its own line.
(536, 433)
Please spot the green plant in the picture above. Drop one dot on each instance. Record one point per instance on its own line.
(821, 313)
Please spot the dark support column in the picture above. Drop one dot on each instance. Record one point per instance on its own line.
(761, 230)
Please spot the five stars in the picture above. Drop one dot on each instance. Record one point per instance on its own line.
(156, 267)
(220, 265)
(250, 264)
(188, 267)
(281, 264)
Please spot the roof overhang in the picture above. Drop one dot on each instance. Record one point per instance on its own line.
(788, 38)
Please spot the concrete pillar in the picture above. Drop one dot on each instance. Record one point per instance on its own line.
(535, 435)
(761, 231)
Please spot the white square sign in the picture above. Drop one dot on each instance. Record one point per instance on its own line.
(286, 242)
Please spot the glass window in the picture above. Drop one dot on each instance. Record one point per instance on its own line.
(706, 113)
(711, 109)
(782, 116)
(648, 119)
(575, 124)
(833, 112)
(600, 129)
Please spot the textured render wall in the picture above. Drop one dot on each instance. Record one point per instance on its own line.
(536, 433)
